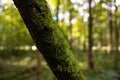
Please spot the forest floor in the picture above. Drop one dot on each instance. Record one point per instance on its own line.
(23, 66)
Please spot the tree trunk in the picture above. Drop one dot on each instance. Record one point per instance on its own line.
(49, 39)
(57, 15)
(110, 15)
(39, 67)
(90, 54)
(117, 46)
(70, 24)
(116, 55)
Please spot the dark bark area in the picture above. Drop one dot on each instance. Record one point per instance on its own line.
(116, 47)
(49, 39)
(90, 54)
(110, 17)
(111, 30)
(116, 54)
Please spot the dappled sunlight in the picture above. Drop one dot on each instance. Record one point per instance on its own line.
(22, 63)
(25, 47)
(117, 2)
(83, 65)
(1, 47)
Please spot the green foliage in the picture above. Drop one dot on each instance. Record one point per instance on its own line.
(13, 69)
(13, 31)
(103, 75)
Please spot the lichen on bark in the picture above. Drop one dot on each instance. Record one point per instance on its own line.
(49, 39)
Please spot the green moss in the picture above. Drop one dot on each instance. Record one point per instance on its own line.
(53, 45)
(50, 40)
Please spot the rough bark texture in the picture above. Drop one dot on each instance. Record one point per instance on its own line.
(49, 39)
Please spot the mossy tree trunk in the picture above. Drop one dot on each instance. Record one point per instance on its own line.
(49, 39)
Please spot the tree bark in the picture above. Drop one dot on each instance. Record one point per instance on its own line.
(116, 54)
(39, 67)
(49, 39)
(70, 24)
(90, 54)
(110, 17)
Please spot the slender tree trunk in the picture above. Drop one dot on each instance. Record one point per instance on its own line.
(39, 67)
(90, 54)
(58, 4)
(111, 30)
(116, 41)
(49, 39)
(110, 26)
(117, 46)
(70, 26)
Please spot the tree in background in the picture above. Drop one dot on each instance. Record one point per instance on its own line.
(49, 39)
(70, 23)
(117, 34)
(11, 31)
(90, 39)
(110, 19)
(57, 13)
(39, 67)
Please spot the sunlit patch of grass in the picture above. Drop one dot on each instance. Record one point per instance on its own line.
(83, 65)
(44, 64)
(23, 62)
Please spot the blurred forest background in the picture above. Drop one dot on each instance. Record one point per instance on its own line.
(92, 28)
